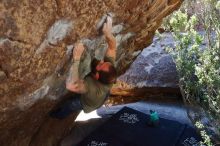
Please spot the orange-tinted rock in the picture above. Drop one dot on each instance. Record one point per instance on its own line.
(34, 38)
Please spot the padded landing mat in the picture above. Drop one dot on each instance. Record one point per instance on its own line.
(129, 127)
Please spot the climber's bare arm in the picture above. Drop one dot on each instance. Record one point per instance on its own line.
(73, 82)
(107, 31)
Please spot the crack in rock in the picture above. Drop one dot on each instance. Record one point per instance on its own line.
(3, 40)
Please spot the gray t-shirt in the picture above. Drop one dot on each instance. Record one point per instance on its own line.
(97, 92)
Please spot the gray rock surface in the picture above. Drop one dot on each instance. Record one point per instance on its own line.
(154, 67)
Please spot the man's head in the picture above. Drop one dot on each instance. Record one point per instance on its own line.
(104, 72)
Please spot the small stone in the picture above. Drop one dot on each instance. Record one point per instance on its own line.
(2, 76)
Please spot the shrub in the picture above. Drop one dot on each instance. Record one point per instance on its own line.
(197, 53)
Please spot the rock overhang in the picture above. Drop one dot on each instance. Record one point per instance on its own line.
(34, 60)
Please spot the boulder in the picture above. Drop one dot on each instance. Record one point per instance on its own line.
(36, 39)
(154, 67)
(153, 73)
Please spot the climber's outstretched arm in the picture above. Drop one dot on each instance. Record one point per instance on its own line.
(107, 31)
(73, 82)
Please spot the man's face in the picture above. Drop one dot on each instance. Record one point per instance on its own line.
(103, 66)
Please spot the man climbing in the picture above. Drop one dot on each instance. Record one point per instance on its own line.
(93, 90)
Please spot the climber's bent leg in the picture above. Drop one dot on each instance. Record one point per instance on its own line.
(68, 107)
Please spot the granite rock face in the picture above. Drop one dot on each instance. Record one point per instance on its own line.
(154, 67)
(153, 73)
(36, 39)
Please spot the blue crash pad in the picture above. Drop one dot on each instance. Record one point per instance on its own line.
(129, 127)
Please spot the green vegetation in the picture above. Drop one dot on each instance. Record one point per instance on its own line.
(196, 30)
(204, 135)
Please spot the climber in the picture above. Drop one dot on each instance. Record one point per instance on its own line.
(93, 90)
